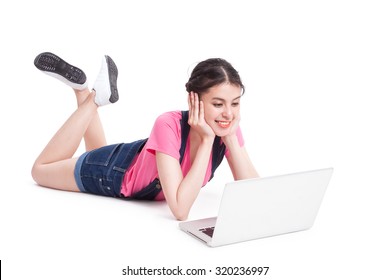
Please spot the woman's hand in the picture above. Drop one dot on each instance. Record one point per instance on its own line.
(196, 117)
(233, 129)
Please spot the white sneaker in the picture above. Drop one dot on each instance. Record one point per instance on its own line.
(105, 85)
(56, 67)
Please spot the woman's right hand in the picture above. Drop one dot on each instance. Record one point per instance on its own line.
(196, 117)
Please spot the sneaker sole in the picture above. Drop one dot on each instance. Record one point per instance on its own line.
(113, 76)
(51, 63)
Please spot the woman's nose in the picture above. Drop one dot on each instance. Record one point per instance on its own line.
(227, 113)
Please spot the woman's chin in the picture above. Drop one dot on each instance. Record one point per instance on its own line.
(221, 132)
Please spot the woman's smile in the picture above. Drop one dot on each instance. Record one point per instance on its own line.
(223, 124)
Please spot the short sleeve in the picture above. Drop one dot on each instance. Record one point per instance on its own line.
(165, 136)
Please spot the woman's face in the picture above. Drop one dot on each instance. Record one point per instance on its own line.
(222, 107)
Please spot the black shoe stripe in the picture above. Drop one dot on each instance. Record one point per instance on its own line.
(113, 76)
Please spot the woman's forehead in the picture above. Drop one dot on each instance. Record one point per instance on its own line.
(223, 92)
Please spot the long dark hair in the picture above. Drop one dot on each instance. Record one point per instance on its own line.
(212, 72)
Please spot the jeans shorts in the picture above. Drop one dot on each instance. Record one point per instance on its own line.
(101, 171)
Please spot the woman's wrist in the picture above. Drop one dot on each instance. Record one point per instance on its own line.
(208, 139)
(230, 140)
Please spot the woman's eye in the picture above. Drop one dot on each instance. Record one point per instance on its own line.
(235, 104)
(218, 105)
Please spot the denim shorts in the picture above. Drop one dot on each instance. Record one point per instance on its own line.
(101, 171)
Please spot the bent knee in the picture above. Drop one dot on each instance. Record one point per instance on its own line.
(37, 173)
(56, 175)
(42, 174)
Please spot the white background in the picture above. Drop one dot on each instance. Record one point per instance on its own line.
(317, 77)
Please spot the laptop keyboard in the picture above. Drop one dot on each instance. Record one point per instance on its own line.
(209, 231)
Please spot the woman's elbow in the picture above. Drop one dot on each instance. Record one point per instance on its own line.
(178, 209)
(180, 215)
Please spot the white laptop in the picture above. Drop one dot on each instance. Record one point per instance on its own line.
(263, 207)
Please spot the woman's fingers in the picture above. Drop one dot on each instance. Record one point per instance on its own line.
(196, 107)
(201, 110)
(193, 105)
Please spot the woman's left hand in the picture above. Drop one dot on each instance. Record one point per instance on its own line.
(233, 128)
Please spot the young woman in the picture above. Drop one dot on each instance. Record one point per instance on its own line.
(179, 157)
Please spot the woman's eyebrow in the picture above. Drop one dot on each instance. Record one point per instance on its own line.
(224, 100)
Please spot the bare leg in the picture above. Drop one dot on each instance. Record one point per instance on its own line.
(94, 136)
(54, 167)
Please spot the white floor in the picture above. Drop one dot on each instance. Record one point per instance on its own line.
(317, 78)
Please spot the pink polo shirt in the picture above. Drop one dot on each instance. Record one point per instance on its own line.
(165, 137)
